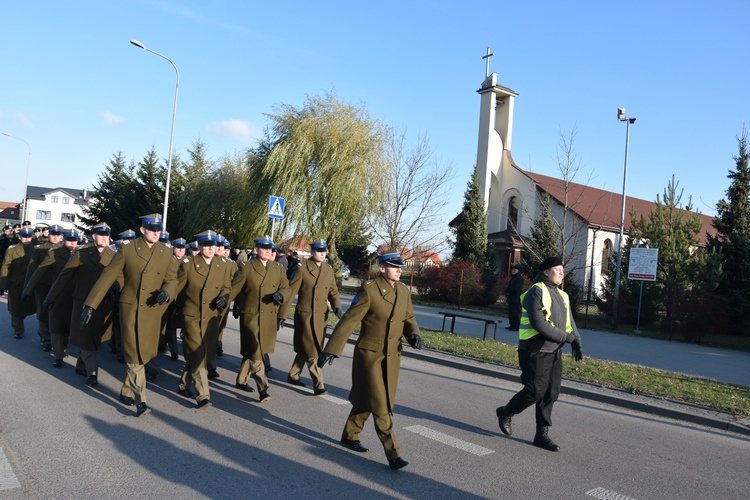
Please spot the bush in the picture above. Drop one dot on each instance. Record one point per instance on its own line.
(456, 281)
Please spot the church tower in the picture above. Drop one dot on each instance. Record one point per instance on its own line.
(493, 148)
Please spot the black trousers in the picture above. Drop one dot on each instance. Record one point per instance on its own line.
(514, 311)
(541, 374)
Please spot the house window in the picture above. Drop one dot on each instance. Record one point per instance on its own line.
(68, 218)
(43, 215)
(513, 213)
(66, 200)
(54, 199)
(606, 256)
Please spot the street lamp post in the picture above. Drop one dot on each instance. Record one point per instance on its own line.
(171, 135)
(26, 186)
(618, 272)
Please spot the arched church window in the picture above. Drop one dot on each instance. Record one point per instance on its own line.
(606, 256)
(513, 213)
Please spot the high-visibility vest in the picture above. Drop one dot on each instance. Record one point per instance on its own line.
(525, 331)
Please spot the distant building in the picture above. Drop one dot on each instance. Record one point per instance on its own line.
(416, 258)
(47, 206)
(10, 212)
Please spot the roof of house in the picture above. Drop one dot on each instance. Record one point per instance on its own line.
(39, 192)
(602, 208)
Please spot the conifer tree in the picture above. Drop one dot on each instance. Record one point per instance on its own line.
(470, 229)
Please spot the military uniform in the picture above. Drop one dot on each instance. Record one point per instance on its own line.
(386, 314)
(316, 286)
(258, 316)
(12, 277)
(84, 269)
(41, 290)
(201, 285)
(60, 315)
(145, 272)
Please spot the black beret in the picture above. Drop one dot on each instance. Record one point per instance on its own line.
(550, 262)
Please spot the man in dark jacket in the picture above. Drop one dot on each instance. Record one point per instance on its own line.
(546, 326)
(513, 295)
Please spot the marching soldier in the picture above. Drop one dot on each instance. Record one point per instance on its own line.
(384, 308)
(84, 268)
(59, 317)
(206, 284)
(12, 277)
(316, 285)
(41, 290)
(173, 317)
(115, 343)
(149, 274)
(264, 287)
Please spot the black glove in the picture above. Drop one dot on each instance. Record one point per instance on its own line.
(325, 358)
(113, 289)
(2, 291)
(578, 354)
(338, 312)
(161, 297)
(221, 302)
(281, 323)
(236, 312)
(278, 298)
(570, 338)
(86, 314)
(415, 341)
(47, 305)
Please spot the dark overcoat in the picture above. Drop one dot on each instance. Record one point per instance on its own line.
(143, 271)
(201, 284)
(256, 284)
(50, 269)
(41, 289)
(386, 314)
(84, 269)
(12, 277)
(316, 285)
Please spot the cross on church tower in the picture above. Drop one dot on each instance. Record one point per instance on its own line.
(487, 57)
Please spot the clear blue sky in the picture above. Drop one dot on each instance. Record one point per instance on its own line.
(73, 86)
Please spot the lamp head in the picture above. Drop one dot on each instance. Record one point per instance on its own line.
(620, 113)
(138, 44)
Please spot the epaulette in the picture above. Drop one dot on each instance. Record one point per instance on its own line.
(223, 259)
(169, 245)
(403, 285)
(185, 260)
(126, 242)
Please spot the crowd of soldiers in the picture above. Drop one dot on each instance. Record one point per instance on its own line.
(138, 291)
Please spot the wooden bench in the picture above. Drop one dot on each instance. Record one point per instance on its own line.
(487, 322)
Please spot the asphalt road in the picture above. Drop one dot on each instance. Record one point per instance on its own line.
(60, 439)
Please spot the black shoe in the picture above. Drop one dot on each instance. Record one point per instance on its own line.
(263, 396)
(268, 368)
(81, 372)
(57, 363)
(142, 409)
(213, 373)
(397, 463)
(244, 387)
(175, 357)
(542, 440)
(127, 400)
(295, 381)
(153, 374)
(354, 445)
(47, 348)
(508, 327)
(204, 403)
(504, 421)
(120, 359)
(91, 381)
(219, 352)
(20, 336)
(319, 392)
(186, 393)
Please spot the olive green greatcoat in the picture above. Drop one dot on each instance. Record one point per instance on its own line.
(386, 314)
(143, 271)
(84, 268)
(315, 286)
(258, 313)
(200, 286)
(12, 277)
(40, 292)
(50, 269)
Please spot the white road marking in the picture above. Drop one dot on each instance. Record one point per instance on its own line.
(8, 479)
(605, 494)
(333, 399)
(450, 441)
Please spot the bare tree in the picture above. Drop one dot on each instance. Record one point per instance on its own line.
(414, 194)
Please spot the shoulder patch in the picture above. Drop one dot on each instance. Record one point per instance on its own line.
(126, 242)
(185, 260)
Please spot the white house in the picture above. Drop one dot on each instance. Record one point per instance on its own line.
(47, 206)
(512, 198)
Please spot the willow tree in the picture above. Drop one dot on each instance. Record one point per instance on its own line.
(326, 158)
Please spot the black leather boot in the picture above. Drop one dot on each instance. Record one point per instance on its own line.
(543, 440)
(504, 421)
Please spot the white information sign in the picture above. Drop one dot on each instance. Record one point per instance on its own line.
(643, 263)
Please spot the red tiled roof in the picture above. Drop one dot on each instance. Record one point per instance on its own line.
(602, 208)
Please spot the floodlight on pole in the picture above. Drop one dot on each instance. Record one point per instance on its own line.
(26, 186)
(171, 135)
(621, 115)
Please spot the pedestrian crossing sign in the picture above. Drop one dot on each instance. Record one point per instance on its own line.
(276, 207)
